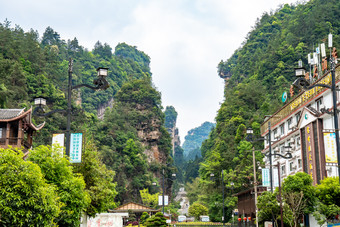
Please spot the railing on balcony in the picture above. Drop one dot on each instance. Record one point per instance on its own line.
(13, 141)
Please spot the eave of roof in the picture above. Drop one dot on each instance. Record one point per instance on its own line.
(15, 114)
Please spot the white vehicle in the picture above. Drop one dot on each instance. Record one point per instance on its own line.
(182, 218)
(204, 218)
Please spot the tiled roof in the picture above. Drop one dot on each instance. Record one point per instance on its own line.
(10, 113)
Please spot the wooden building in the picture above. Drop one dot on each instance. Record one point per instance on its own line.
(246, 202)
(17, 129)
(136, 209)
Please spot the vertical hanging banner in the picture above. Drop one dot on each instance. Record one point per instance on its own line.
(275, 177)
(265, 178)
(160, 200)
(58, 143)
(76, 147)
(330, 151)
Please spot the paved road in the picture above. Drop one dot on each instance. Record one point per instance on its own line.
(184, 201)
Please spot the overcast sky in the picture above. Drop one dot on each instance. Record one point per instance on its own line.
(186, 39)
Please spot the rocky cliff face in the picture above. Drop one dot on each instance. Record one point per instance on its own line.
(102, 107)
(149, 133)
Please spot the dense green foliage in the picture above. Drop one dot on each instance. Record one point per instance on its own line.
(328, 193)
(26, 198)
(196, 210)
(256, 76)
(194, 138)
(157, 220)
(170, 117)
(131, 140)
(30, 68)
(98, 179)
(126, 131)
(70, 187)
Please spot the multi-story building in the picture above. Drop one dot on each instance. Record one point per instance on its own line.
(300, 127)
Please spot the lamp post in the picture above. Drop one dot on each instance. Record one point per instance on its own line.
(269, 155)
(100, 84)
(255, 186)
(232, 187)
(163, 187)
(305, 85)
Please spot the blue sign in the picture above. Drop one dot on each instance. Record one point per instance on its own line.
(265, 178)
(76, 147)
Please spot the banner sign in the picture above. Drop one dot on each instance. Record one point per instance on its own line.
(275, 177)
(330, 151)
(265, 178)
(160, 200)
(76, 147)
(58, 143)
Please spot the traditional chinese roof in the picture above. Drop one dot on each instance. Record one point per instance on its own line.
(134, 207)
(8, 115)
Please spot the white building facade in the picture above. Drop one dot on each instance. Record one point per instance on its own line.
(308, 132)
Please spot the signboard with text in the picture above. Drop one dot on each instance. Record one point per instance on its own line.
(58, 142)
(265, 177)
(330, 151)
(76, 147)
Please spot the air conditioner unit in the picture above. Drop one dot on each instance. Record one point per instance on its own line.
(292, 126)
(292, 140)
(276, 137)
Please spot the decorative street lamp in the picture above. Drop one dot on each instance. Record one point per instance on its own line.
(305, 85)
(288, 155)
(163, 186)
(232, 187)
(100, 84)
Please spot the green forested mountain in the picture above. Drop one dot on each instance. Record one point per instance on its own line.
(193, 140)
(256, 76)
(131, 139)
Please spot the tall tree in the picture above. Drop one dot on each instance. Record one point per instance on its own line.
(26, 199)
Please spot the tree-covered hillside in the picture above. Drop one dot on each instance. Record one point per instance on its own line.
(193, 140)
(131, 139)
(256, 76)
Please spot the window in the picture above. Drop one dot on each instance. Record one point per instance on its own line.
(275, 151)
(282, 148)
(298, 142)
(291, 167)
(318, 104)
(289, 122)
(282, 129)
(275, 133)
(299, 163)
(0, 132)
(297, 117)
(283, 170)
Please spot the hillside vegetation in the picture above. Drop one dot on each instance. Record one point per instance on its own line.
(131, 139)
(256, 76)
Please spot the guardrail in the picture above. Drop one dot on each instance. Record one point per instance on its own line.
(179, 224)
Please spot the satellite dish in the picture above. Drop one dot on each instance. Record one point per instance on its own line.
(284, 97)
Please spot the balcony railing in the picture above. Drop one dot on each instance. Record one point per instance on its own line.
(13, 141)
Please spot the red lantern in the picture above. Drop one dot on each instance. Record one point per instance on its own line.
(249, 218)
(245, 218)
(239, 219)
